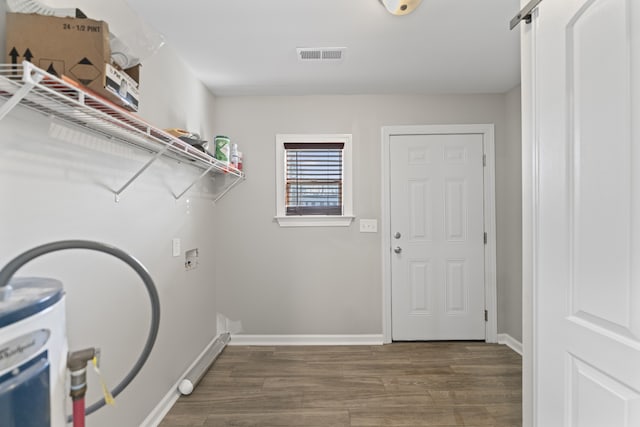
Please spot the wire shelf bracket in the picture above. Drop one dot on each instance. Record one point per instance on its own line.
(193, 183)
(226, 190)
(19, 95)
(137, 174)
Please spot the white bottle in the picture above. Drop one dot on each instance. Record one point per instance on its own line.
(233, 155)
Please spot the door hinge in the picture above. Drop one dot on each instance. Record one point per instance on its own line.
(486, 316)
(485, 237)
(484, 160)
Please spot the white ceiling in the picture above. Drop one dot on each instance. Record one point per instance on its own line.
(248, 47)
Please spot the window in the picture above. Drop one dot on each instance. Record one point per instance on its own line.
(313, 180)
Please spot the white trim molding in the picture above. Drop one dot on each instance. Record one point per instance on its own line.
(491, 299)
(315, 221)
(343, 220)
(510, 342)
(530, 216)
(244, 339)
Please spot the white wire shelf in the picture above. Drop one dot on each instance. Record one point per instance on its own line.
(29, 86)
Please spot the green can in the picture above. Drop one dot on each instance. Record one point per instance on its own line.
(223, 146)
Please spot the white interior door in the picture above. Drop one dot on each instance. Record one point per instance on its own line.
(437, 237)
(586, 248)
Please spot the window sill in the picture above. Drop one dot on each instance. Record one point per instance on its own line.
(315, 221)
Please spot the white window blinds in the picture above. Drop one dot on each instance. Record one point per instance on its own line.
(314, 178)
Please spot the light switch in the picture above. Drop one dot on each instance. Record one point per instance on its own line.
(368, 225)
(176, 247)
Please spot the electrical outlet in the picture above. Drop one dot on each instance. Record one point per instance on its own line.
(191, 259)
(368, 225)
(176, 247)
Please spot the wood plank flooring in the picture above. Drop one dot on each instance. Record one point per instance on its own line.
(401, 384)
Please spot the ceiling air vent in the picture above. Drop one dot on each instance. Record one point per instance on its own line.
(331, 54)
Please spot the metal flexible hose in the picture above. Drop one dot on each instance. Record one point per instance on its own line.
(10, 269)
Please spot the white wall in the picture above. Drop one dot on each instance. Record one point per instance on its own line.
(53, 190)
(328, 280)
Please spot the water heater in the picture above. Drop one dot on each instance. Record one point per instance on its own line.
(33, 346)
(33, 351)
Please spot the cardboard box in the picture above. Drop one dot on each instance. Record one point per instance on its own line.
(76, 48)
(122, 86)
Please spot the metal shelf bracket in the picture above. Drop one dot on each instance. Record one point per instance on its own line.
(137, 174)
(226, 190)
(193, 183)
(29, 83)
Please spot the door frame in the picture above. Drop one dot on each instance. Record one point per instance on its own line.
(490, 285)
(530, 214)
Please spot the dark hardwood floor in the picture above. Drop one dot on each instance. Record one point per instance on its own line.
(400, 384)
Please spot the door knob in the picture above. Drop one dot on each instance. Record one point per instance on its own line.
(397, 235)
(397, 249)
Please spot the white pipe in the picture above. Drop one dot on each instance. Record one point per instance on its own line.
(196, 373)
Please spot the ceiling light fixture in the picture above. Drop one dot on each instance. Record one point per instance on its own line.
(400, 7)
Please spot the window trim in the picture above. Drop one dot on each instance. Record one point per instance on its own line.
(343, 220)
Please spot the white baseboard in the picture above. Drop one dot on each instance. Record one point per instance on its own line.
(510, 342)
(164, 406)
(243, 339)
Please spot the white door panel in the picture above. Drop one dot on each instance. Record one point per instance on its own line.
(436, 196)
(587, 276)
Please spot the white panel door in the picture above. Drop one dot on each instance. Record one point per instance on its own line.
(437, 236)
(587, 227)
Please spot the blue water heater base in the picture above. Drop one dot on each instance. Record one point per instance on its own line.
(24, 398)
(32, 354)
